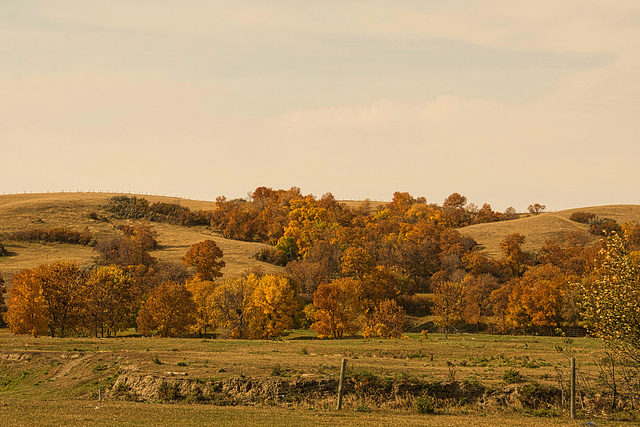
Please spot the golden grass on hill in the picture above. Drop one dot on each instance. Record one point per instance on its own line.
(71, 210)
(546, 226)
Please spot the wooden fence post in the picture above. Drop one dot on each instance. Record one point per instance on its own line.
(573, 388)
(341, 384)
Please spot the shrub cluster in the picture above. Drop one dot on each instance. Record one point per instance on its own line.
(582, 217)
(52, 235)
(125, 207)
(604, 227)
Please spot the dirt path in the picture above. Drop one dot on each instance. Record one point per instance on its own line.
(74, 360)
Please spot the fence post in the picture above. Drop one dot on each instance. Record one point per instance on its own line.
(573, 388)
(341, 384)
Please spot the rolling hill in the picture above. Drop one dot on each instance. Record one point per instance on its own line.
(550, 225)
(71, 210)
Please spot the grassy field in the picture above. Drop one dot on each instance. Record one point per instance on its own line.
(47, 381)
(71, 210)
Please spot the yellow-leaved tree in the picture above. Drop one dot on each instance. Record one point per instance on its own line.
(230, 304)
(109, 301)
(274, 303)
(202, 292)
(611, 302)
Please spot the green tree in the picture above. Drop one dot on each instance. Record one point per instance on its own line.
(611, 301)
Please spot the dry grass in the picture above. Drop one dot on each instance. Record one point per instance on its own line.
(540, 228)
(59, 384)
(71, 210)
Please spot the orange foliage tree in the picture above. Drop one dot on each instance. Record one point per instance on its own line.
(48, 295)
(26, 312)
(386, 321)
(205, 257)
(336, 308)
(514, 257)
(169, 309)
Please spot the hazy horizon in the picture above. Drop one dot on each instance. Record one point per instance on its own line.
(506, 102)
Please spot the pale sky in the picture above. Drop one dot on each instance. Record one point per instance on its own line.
(506, 102)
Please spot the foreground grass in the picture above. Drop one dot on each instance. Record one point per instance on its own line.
(482, 358)
(47, 381)
(61, 412)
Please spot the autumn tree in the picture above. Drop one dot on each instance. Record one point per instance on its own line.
(109, 301)
(26, 313)
(231, 304)
(453, 207)
(536, 208)
(202, 292)
(499, 299)
(320, 264)
(50, 295)
(132, 248)
(448, 300)
(537, 299)
(336, 308)
(514, 258)
(274, 304)
(205, 257)
(3, 305)
(510, 213)
(485, 214)
(169, 309)
(477, 298)
(386, 321)
(61, 284)
(357, 262)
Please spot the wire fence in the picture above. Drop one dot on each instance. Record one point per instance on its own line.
(133, 193)
(137, 193)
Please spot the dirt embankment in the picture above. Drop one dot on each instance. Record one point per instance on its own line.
(283, 391)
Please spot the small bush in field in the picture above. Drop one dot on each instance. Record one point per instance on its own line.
(512, 376)
(425, 404)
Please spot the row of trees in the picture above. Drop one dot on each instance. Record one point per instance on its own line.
(357, 270)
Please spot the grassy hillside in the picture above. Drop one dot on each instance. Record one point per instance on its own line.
(551, 225)
(71, 211)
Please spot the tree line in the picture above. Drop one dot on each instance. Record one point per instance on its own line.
(348, 271)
